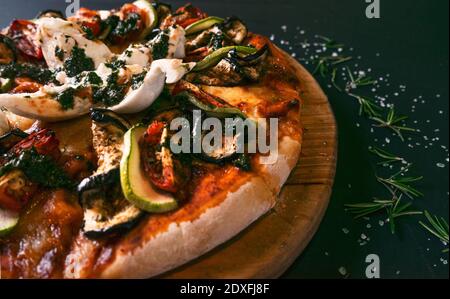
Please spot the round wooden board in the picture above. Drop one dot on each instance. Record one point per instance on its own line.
(269, 246)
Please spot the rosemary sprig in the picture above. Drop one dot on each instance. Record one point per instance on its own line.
(393, 208)
(388, 157)
(333, 79)
(400, 182)
(437, 227)
(325, 64)
(330, 43)
(367, 106)
(360, 81)
(393, 122)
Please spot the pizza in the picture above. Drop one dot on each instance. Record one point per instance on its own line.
(128, 143)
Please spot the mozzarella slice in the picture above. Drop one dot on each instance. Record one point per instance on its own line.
(139, 99)
(136, 54)
(174, 69)
(177, 42)
(41, 106)
(57, 33)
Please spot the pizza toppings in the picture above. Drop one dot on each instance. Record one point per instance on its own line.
(135, 184)
(105, 208)
(50, 13)
(26, 38)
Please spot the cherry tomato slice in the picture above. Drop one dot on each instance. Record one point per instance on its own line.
(24, 35)
(44, 142)
(88, 18)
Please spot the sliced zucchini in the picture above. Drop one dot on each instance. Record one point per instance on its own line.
(214, 58)
(8, 220)
(163, 10)
(136, 187)
(152, 16)
(203, 25)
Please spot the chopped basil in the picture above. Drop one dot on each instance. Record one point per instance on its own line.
(39, 169)
(127, 26)
(94, 79)
(115, 65)
(111, 94)
(160, 45)
(59, 53)
(36, 73)
(78, 62)
(66, 98)
(137, 80)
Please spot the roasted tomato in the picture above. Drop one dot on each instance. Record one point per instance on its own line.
(26, 85)
(24, 35)
(89, 19)
(44, 142)
(164, 171)
(184, 17)
(15, 191)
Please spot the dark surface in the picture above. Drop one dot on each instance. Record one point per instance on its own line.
(412, 41)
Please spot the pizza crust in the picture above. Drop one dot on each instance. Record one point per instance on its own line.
(185, 241)
(182, 242)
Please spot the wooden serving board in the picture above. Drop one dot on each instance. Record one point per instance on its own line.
(269, 246)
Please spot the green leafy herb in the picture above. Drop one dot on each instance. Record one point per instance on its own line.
(438, 227)
(66, 98)
(393, 208)
(78, 62)
(112, 93)
(137, 80)
(324, 64)
(130, 24)
(402, 183)
(367, 106)
(330, 43)
(39, 169)
(160, 45)
(360, 81)
(34, 72)
(387, 156)
(393, 122)
(59, 53)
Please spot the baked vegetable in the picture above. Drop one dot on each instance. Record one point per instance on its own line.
(203, 25)
(214, 58)
(136, 186)
(235, 29)
(106, 210)
(151, 16)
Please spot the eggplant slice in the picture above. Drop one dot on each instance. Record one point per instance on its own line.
(106, 210)
(233, 70)
(235, 29)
